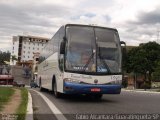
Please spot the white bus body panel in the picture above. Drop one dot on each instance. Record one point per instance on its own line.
(47, 70)
(103, 79)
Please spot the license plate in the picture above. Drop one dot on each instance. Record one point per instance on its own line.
(95, 89)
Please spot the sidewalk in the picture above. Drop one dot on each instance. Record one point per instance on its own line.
(143, 90)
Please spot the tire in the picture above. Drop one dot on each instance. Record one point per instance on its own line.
(41, 89)
(54, 88)
(40, 85)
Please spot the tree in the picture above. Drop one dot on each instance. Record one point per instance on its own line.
(124, 59)
(152, 55)
(4, 56)
(156, 73)
(143, 59)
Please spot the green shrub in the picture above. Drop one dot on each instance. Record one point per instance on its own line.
(146, 86)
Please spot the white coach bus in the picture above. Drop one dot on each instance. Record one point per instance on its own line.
(82, 59)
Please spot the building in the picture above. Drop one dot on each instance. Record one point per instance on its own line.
(23, 48)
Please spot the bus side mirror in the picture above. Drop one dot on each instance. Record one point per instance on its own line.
(62, 47)
(124, 52)
(123, 43)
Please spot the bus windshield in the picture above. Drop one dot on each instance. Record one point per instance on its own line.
(92, 49)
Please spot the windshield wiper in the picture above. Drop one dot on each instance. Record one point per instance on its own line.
(89, 60)
(103, 60)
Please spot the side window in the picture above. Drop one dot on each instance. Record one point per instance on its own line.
(60, 56)
(55, 45)
(61, 36)
(61, 62)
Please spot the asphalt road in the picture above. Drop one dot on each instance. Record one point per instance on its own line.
(40, 108)
(73, 106)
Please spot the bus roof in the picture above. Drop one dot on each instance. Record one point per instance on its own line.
(90, 26)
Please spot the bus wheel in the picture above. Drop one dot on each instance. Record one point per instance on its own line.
(40, 86)
(56, 93)
(98, 96)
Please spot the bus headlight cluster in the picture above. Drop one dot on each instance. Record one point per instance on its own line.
(71, 80)
(117, 82)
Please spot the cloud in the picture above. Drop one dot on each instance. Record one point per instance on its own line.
(37, 19)
(142, 29)
(17, 19)
(31, 15)
(137, 21)
(148, 18)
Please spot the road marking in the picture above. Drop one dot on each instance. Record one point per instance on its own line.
(59, 115)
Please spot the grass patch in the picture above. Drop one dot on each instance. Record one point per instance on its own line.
(22, 109)
(5, 95)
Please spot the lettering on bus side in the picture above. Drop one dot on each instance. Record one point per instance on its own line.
(81, 76)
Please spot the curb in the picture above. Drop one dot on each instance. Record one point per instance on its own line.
(29, 115)
(141, 91)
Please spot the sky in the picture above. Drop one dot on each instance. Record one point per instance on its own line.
(137, 21)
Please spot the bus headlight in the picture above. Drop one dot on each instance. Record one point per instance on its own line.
(71, 80)
(117, 82)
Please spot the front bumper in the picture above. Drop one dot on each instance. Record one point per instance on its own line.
(76, 88)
